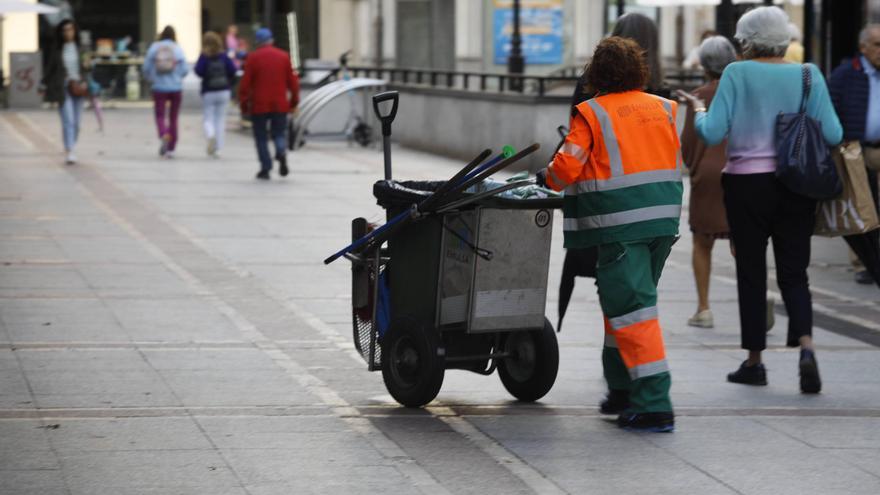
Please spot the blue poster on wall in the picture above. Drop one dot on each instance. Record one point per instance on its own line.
(541, 29)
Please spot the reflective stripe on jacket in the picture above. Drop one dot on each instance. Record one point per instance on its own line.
(621, 169)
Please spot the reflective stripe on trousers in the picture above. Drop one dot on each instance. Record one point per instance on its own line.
(638, 338)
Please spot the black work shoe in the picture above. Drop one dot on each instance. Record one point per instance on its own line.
(616, 401)
(749, 375)
(282, 165)
(263, 175)
(656, 422)
(864, 278)
(809, 370)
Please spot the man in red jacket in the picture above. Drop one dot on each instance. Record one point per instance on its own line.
(268, 90)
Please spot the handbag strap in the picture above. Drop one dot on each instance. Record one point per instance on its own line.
(807, 78)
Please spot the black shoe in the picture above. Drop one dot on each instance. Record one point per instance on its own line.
(616, 401)
(263, 175)
(282, 165)
(809, 371)
(656, 422)
(749, 375)
(864, 278)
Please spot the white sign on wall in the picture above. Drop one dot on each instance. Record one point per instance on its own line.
(25, 72)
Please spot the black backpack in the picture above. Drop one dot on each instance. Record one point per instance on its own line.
(215, 75)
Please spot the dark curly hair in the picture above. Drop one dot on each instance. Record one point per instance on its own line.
(618, 65)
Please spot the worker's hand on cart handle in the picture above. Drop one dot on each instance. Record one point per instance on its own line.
(691, 100)
(541, 177)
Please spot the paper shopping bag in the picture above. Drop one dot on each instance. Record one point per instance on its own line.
(854, 211)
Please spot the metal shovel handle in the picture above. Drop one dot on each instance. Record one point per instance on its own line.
(388, 118)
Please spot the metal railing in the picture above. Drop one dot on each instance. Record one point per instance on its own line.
(528, 85)
(687, 79)
(467, 81)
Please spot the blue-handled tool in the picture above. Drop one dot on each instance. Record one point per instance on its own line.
(506, 152)
(479, 177)
(365, 239)
(413, 212)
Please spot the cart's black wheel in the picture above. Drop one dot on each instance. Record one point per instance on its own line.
(363, 134)
(411, 367)
(529, 373)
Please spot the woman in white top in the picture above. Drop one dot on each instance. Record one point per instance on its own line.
(65, 83)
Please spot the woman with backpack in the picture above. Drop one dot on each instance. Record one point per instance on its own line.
(218, 74)
(165, 68)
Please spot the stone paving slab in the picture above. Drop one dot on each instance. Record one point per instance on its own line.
(94, 388)
(149, 471)
(128, 434)
(196, 344)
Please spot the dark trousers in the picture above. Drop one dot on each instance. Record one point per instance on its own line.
(276, 123)
(167, 102)
(760, 208)
(867, 246)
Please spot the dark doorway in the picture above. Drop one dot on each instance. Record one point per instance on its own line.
(101, 18)
(307, 22)
(841, 22)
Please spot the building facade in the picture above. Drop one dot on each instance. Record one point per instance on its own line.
(468, 35)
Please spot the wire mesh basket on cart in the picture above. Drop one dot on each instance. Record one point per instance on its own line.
(369, 319)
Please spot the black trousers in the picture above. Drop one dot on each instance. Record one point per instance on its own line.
(760, 208)
(867, 246)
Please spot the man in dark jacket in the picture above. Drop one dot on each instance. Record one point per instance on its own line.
(855, 92)
(268, 90)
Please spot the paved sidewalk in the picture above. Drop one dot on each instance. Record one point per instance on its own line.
(167, 326)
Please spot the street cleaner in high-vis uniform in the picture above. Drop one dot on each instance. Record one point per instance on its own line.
(620, 168)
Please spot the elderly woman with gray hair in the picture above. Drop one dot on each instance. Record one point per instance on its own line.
(759, 207)
(707, 218)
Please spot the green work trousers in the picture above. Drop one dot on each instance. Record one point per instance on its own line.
(633, 358)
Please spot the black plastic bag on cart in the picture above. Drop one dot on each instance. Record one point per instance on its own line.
(394, 195)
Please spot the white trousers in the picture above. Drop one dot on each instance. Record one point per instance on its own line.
(214, 106)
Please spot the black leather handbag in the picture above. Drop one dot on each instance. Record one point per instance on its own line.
(804, 162)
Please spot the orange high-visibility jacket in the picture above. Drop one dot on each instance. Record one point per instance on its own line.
(621, 169)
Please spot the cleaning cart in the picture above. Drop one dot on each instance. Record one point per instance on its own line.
(456, 279)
